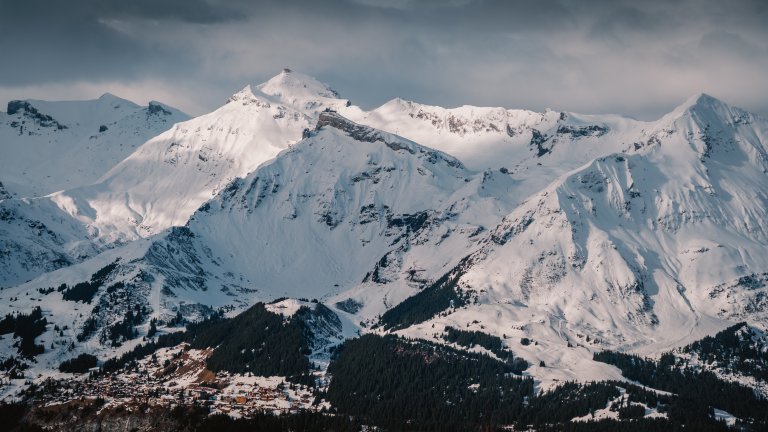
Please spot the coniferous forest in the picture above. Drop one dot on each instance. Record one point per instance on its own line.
(256, 341)
(396, 383)
(399, 383)
(696, 392)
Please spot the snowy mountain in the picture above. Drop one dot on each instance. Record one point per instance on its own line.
(644, 250)
(534, 148)
(86, 138)
(171, 175)
(48, 146)
(346, 207)
(165, 179)
(560, 234)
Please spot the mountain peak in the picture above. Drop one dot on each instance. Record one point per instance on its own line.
(700, 100)
(704, 109)
(109, 96)
(358, 131)
(15, 106)
(113, 100)
(295, 85)
(701, 103)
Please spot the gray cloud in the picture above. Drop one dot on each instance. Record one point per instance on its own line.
(638, 58)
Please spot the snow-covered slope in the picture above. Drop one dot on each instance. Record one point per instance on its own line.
(171, 175)
(49, 146)
(348, 207)
(534, 148)
(578, 233)
(37, 237)
(644, 250)
(163, 181)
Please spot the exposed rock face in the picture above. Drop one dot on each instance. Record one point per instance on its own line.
(26, 109)
(3, 192)
(356, 131)
(156, 108)
(369, 134)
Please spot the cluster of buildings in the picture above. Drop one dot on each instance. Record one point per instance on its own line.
(177, 377)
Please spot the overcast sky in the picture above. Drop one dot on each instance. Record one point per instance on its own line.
(639, 58)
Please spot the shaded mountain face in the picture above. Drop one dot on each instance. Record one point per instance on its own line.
(561, 234)
(36, 237)
(87, 138)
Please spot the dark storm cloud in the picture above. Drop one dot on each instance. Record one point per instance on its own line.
(41, 11)
(639, 58)
(63, 40)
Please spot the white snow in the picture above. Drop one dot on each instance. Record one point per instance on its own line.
(287, 307)
(601, 232)
(728, 418)
(83, 152)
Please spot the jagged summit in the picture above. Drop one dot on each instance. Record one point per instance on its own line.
(368, 134)
(291, 90)
(701, 98)
(155, 107)
(707, 126)
(20, 106)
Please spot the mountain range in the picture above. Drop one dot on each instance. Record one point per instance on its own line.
(563, 235)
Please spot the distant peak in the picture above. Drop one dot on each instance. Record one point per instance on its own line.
(115, 101)
(295, 85)
(700, 101)
(705, 109)
(398, 101)
(110, 98)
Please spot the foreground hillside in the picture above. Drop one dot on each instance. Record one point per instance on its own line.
(263, 375)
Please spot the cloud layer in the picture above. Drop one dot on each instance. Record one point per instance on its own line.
(636, 58)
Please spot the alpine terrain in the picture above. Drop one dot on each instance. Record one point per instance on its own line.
(291, 260)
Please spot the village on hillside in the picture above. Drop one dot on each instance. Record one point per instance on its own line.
(178, 376)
